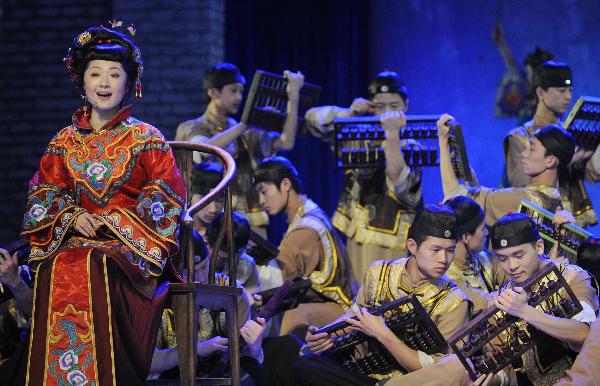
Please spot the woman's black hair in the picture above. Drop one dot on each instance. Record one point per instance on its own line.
(100, 43)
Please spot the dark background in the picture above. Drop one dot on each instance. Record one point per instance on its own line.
(442, 49)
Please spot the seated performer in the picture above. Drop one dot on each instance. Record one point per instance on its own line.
(431, 242)
(224, 86)
(376, 206)
(16, 301)
(205, 177)
(102, 222)
(247, 274)
(551, 148)
(585, 369)
(554, 89)
(474, 269)
(519, 248)
(212, 343)
(310, 248)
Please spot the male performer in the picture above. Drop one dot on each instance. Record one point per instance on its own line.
(224, 86)
(474, 269)
(376, 206)
(554, 89)
(551, 148)
(310, 247)
(520, 252)
(15, 312)
(205, 177)
(431, 242)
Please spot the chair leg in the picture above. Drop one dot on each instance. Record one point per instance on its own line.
(234, 341)
(186, 325)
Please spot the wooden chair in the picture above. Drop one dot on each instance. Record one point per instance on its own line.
(188, 297)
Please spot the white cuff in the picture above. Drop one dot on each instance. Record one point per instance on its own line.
(425, 359)
(504, 380)
(587, 315)
(399, 186)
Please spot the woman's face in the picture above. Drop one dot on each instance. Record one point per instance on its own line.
(105, 84)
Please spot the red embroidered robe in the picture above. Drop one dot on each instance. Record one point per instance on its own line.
(97, 307)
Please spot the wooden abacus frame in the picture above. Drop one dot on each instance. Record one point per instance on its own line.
(569, 235)
(406, 317)
(579, 122)
(418, 127)
(266, 104)
(491, 323)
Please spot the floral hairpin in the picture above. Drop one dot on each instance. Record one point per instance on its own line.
(131, 29)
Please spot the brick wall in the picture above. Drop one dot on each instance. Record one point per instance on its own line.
(37, 98)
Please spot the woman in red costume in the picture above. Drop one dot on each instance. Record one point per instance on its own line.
(102, 218)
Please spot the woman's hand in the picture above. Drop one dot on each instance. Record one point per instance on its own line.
(87, 224)
(209, 346)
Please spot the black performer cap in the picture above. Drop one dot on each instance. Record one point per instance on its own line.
(469, 215)
(513, 229)
(553, 74)
(205, 177)
(387, 81)
(557, 141)
(222, 74)
(435, 221)
(274, 170)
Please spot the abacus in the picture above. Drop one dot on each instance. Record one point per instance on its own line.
(363, 354)
(583, 122)
(494, 338)
(358, 143)
(266, 104)
(569, 235)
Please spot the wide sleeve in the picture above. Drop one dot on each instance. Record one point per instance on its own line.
(51, 206)
(319, 121)
(299, 253)
(592, 167)
(151, 226)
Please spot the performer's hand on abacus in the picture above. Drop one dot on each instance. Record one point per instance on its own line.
(392, 122)
(483, 380)
(442, 126)
(257, 300)
(368, 324)
(361, 106)
(562, 216)
(9, 272)
(513, 302)
(318, 343)
(295, 83)
(252, 331)
(209, 346)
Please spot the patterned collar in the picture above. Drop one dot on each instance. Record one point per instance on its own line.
(81, 118)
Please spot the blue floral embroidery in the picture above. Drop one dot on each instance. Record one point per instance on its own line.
(158, 211)
(68, 362)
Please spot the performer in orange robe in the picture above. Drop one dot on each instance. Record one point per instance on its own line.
(102, 218)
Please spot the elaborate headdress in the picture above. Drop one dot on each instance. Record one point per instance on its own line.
(101, 43)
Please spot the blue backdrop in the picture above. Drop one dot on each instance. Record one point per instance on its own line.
(442, 49)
